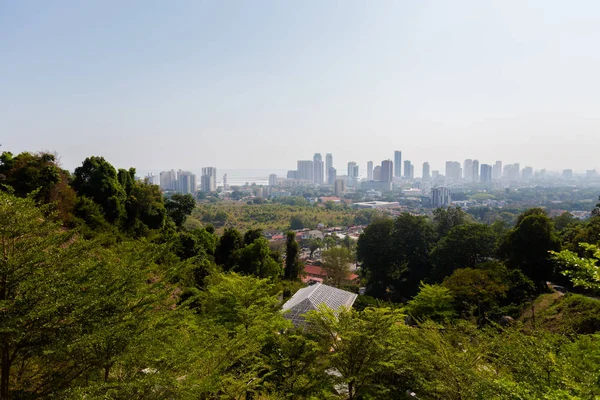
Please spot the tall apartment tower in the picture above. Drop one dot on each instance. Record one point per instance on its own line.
(426, 177)
(168, 180)
(468, 170)
(318, 167)
(352, 173)
(186, 182)
(486, 174)
(340, 187)
(328, 166)
(453, 171)
(369, 170)
(440, 197)
(208, 181)
(387, 170)
(497, 171)
(407, 169)
(273, 180)
(377, 173)
(225, 182)
(331, 176)
(397, 163)
(306, 170)
(475, 170)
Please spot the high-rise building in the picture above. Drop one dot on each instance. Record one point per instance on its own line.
(411, 175)
(331, 176)
(273, 180)
(440, 197)
(340, 187)
(407, 169)
(152, 179)
(486, 174)
(352, 173)
(475, 170)
(567, 173)
(225, 182)
(306, 170)
(292, 175)
(497, 171)
(168, 180)
(186, 182)
(377, 173)
(453, 171)
(328, 165)
(527, 173)
(318, 167)
(426, 177)
(369, 170)
(397, 163)
(208, 181)
(387, 171)
(468, 170)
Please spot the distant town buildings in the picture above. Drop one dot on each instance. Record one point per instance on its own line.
(486, 174)
(352, 173)
(340, 187)
(369, 170)
(387, 171)
(426, 176)
(319, 169)
(181, 181)
(328, 166)
(208, 181)
(273, 180)
(397, 164)
(331, 176)
(440, 197)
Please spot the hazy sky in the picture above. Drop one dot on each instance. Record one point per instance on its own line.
(260, 84)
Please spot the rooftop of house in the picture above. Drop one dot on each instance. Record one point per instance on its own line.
(311, 297)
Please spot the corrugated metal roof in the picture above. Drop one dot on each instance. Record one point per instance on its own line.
(310, 298)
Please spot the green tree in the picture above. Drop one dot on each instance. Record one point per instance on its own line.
(292, 257)
(433, 302)
(315, 244)
(296, 222)
(256, 259)
(475, 289)
(412, 240)
(251, 235)
(230, 241)
(179, 206)
(527, 246)
(464, 246)
(445, 219)
(375, 252)
(97, 180)
(365, 346)
(583, 271)
(336, 262)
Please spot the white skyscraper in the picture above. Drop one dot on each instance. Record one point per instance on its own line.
(209, 179)
(370, 170)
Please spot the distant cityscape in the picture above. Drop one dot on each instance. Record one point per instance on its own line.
(385, 176)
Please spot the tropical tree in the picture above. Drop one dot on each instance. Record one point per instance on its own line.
(583, 271)
(527, 246)
(365, 347)
(179, 206)
(292, 257)
(97, 180)
(433, 302)
(336, 262)
(464, 246)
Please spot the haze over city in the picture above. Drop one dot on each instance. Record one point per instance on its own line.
(259, 85)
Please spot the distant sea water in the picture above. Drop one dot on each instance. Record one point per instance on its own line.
(235, 177)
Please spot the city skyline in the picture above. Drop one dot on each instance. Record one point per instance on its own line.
(242, 85)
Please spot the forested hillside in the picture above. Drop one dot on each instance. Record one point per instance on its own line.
(106, 292)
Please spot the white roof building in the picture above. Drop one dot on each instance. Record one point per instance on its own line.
(311, 297)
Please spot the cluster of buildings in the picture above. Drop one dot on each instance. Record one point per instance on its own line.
(185, 181)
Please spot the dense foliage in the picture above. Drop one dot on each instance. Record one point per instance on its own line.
(108, 291)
